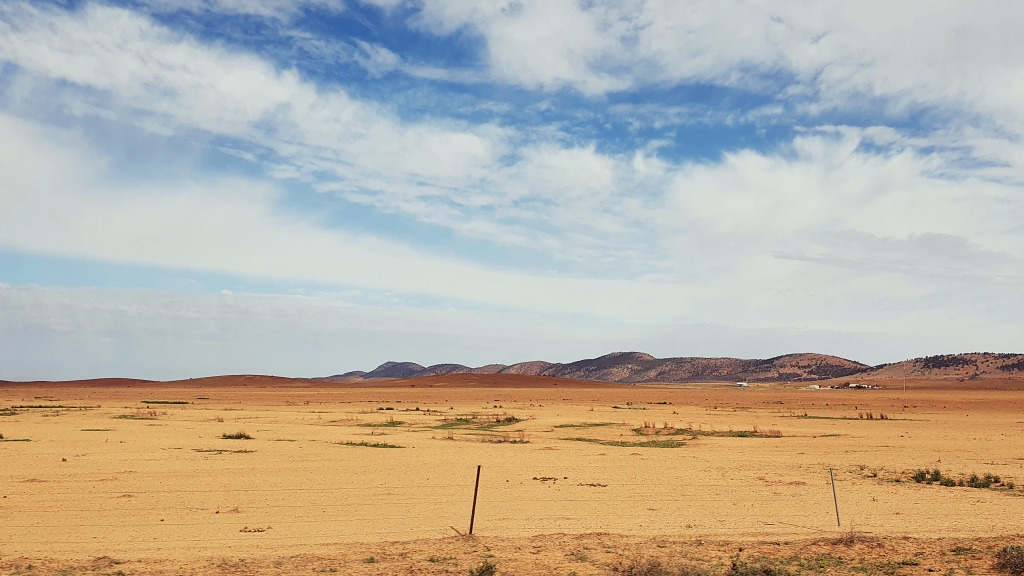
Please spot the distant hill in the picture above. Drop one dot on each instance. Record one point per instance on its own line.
(638, 367)
(970, 366)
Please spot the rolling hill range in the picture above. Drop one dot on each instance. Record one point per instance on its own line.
(971, 366)
(638, 367)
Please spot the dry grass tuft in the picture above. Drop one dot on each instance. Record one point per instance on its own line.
(1010, 559)
(645, 566)
(850, 537)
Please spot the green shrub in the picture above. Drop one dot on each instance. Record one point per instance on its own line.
(973, 481)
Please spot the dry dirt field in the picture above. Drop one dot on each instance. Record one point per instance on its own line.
(576, 477)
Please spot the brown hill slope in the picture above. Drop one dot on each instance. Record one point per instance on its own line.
(638, 367)
(970, 366)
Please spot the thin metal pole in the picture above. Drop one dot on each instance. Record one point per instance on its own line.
(476, 490)
(834, 499)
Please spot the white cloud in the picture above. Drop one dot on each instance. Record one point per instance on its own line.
(939, 256)
(826, 181)
(576, 202)
(284, 10)
(949, 54)
(377, 60)
(178, 83)
(233, 225)
(546, 45)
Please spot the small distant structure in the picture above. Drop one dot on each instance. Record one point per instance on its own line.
(813, 387)
(848, 385)
(742, 384)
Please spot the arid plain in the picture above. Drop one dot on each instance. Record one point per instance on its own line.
(132, 477)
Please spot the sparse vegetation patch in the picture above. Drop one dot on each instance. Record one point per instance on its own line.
(1013, 366)
(935, 476)
(455, 423)
(485, 568)
(644, 566)
(668, 443)
(871, 416)
(140, 415)
(505, 438)
(164, 402)
(369, 444)
(236, 436)
(651, 429)
(45, 406)
(946, 361)
(389, 424)
(486, 422)
(860, 416)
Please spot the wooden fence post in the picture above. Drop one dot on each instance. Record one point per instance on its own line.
(834, 499)
(476, 490)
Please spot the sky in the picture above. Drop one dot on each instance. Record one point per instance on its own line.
(309, 187)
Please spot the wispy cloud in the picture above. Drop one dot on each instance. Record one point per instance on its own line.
(284, 10)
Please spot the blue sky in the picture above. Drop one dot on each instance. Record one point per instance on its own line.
(307, 187)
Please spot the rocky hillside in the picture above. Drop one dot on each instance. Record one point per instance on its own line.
(637, 367)
(971, 366)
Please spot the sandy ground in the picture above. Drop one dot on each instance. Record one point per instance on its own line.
(137, 479)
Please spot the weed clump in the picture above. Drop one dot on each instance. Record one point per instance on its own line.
(650, 429)
(506, 438)
(236, 436)
(935, 476)
(848, 537)
(485, 568)
(872, 416)
(1010, 559)
(369, 444)
(140, 415)
(667, 443)
(391, 423)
